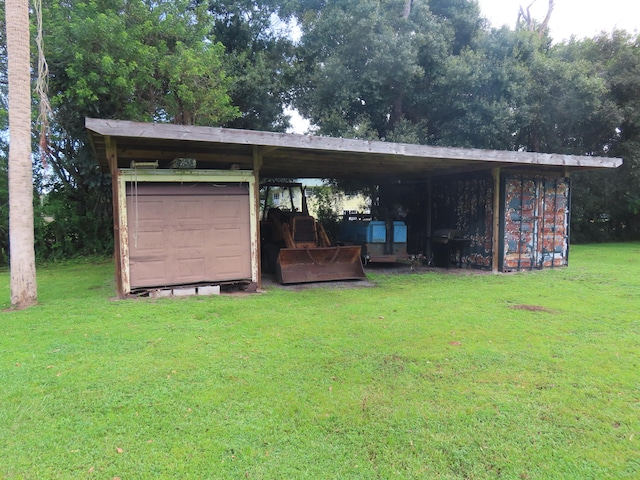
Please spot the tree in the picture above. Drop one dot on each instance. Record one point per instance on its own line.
(259, 55)
(563, 106)
(22, 253)
(525, 19)
(4, 145)
(607, 204)
(478, 93)
(136, 60)
(124, 59)
(358, 63)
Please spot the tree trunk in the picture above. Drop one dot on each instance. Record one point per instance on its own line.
(21, 235)
(407, 9)
(545, 23)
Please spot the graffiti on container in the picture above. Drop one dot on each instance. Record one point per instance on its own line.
(465, 204)
(536, 222)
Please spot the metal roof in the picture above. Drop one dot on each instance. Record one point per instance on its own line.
(286, 155)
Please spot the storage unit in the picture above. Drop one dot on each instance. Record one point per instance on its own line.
(399, 232)
(536, 222)
(463, 204)
(376, 232)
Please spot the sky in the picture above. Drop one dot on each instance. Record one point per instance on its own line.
(582, 18)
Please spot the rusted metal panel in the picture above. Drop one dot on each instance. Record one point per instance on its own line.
(536, 222)
(534, 219)
(466, 204)
(497, 232)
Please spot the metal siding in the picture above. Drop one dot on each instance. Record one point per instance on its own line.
(554, 232)
(188, 233)
(536, 222)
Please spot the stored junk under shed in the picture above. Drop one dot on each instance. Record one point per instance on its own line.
(465, 204)
(381, 241)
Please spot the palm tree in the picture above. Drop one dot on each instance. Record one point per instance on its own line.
(21, 236)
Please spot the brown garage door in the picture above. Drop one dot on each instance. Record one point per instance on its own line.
(188, 233)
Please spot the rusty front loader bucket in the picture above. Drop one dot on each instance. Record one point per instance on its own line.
(301, 265)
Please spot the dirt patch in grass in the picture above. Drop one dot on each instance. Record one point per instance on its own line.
(532, 308)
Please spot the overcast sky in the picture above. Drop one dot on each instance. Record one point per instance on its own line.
(582, 18)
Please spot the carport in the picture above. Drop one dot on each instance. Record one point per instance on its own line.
(186, 199)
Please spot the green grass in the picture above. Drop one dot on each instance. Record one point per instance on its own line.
(421, 376)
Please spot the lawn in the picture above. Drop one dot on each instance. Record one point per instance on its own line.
(432, 375)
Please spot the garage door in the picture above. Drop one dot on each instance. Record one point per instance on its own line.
(188, 233)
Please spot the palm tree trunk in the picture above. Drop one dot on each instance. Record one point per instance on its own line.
(21, 235)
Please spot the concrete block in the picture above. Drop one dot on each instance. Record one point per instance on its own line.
(184, 292)
(209, 290)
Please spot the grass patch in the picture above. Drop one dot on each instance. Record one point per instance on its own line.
(530, 376)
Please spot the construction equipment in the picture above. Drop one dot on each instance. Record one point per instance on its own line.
(295, 245)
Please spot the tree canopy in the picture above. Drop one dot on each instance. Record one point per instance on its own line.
(416, 71)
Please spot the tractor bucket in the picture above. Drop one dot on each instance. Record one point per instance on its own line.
(302, 265)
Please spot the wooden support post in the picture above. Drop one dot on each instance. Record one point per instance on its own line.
(429, 221)
(121, 271)
(495, 243)
(256, 267)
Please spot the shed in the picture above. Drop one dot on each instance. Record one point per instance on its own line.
(186, 198)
